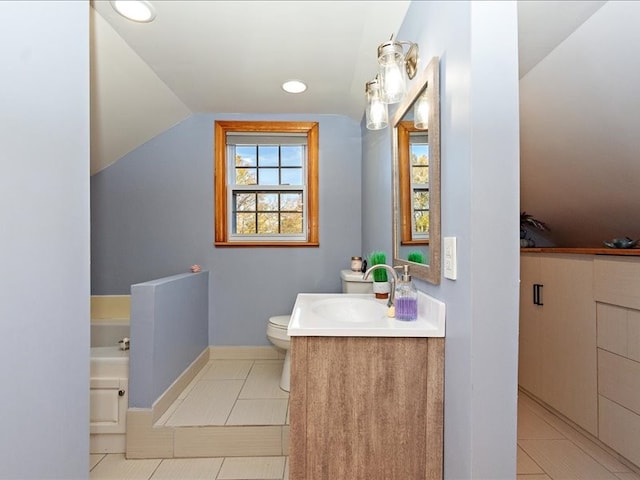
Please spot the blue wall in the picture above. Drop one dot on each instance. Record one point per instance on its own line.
(477, 45)
(152, 216)
(44, 286)
(169, 324)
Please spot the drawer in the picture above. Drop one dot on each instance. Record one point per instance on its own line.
(617, 280)
(619, 380)
(620, 429)
(619, 330)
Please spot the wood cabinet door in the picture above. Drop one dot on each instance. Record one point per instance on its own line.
(568, 338)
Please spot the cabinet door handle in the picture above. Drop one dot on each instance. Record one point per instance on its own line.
(537, 294)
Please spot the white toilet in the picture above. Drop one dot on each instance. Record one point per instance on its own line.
(352, 282)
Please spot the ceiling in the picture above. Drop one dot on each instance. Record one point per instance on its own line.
(232, 56)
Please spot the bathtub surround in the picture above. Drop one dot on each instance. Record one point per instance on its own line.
(110, 307)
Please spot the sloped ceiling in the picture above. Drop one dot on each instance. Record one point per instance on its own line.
(231, 57)
(579, 117)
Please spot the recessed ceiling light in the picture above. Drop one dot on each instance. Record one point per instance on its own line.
(294, 86)
(138, 11)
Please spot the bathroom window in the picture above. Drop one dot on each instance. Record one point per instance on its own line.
(266, 183)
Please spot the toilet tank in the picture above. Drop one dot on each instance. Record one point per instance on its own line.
(352, 282)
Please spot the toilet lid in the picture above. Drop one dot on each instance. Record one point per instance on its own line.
(280, 321)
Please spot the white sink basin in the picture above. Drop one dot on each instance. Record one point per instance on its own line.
(349, 309)
(362, 315)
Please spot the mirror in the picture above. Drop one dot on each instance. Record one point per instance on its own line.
(416, 177)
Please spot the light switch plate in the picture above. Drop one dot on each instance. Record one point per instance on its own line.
(450, 260)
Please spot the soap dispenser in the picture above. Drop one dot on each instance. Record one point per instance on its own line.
(406, 296)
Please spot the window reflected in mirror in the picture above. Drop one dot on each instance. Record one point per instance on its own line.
(416, 152)
(414, 183)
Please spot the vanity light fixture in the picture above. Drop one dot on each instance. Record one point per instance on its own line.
(377, 113)
(421, 111)
(395, 66)
(135, 10)
(294, 86)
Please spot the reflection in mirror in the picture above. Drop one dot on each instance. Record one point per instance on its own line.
(416, 155)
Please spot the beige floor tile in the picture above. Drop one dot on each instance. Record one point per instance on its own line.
(209, 403)
(562, 459)
(94, 459)
(249, 468)
(264, 382)
(535, 476)
(531, 426)
(188, 469)
(227, 370)
(600, 455)
(116, 467)
(262, 411)
(526, 465)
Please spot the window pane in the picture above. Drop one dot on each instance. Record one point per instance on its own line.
(421, 200)
(245, 202)
(292, 176)
(292, 155)
(268, 155)
(291, 202)
(246, 176)
(422, 222)
(245, 223)
(419, 174)
(246, 155)
(419, 154)
(267, 202)
(291, 223)
(267, 223)
(269, 176)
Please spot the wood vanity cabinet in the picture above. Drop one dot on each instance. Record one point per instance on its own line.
(366, 408)
(557, 354)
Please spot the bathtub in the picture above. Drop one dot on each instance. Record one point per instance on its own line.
(109, 387)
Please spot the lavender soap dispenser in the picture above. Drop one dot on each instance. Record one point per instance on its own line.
(406, 297)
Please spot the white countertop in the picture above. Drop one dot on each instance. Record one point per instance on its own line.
(343, 318)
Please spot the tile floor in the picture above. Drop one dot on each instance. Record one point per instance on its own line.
(225, 392)
(548, 448)
(246, 392)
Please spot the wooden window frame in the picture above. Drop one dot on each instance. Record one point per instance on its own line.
(221, 128)
(404, 184)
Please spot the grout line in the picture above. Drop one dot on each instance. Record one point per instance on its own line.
(244, 382)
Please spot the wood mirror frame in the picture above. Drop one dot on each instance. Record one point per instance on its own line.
(428, 82)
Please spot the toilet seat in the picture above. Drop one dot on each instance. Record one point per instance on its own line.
(280, 321)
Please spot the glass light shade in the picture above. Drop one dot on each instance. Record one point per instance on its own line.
(421, 112)
(294, 86)
(377, 114)
(138, 11)
(393, 83)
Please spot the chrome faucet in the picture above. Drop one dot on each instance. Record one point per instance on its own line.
(394, 280)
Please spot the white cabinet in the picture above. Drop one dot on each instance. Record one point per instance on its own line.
(617, 291)
(558, 358)
(108, 402)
